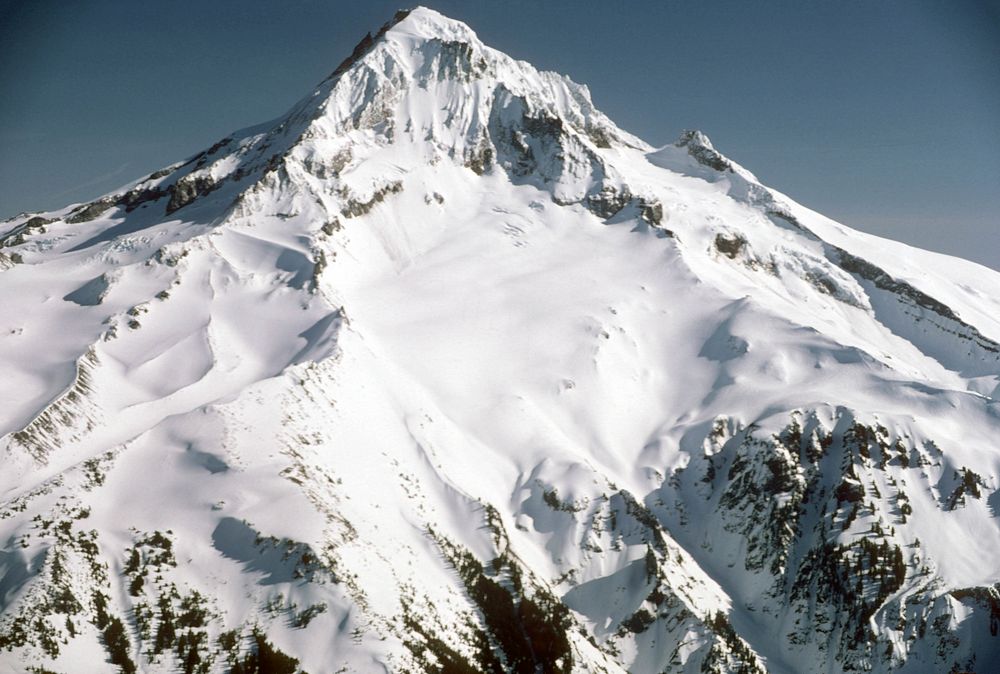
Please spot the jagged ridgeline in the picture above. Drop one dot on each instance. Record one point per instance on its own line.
(442, 371)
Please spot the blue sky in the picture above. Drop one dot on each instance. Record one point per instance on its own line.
(884, 115)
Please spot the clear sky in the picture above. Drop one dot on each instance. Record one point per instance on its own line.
(884, 115)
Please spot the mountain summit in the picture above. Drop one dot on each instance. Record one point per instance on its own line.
(442, 371)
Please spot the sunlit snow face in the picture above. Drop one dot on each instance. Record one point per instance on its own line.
(443, 367)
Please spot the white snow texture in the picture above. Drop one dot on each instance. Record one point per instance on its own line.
(442, 371)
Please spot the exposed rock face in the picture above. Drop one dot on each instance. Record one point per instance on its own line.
(651, 212)
(16, 235)
(608, 202)
(366, 43)
(700, 147)
(354, 208)
(857, 265)
(90, 211)
(417, 379)
(142, 195)
(730, 245)
(189, 188)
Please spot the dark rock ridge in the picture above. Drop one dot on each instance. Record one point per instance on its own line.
(699, 147)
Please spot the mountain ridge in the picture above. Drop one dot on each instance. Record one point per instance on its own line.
(442, 371)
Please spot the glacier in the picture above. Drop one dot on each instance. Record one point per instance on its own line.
(442, 371)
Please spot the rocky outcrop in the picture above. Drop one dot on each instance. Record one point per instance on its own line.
(189, 188)
(17, 235)
(700, 148)
(91, 210)
(353, 207)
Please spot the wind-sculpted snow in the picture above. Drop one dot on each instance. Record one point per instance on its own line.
(442, 371)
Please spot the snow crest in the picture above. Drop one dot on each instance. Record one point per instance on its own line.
(443, 371)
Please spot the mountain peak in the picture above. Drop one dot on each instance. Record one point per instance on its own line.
(427, 80)
(441, 370)
(423, 22)
(420, 24)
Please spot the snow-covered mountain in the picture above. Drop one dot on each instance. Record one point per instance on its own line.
(442, 371)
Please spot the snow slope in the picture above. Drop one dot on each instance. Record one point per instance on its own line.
(442, 371)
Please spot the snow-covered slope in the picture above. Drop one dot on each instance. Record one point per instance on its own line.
(442, 371)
